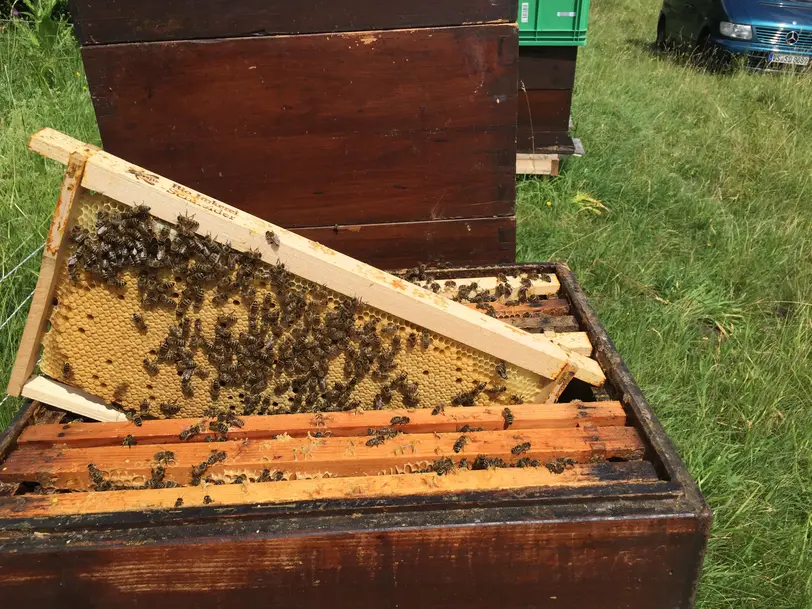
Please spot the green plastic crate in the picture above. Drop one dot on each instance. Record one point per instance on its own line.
(553, 22)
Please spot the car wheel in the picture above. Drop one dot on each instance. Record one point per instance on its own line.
(661, 43)
(710, 56)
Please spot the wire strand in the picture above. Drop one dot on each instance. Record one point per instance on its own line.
(17, 310)
(24, 260)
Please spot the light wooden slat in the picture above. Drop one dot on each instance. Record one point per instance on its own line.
(133, 185)
(537, 164)
(49, 391)
(67, 468)
(542, 323)
(53, 257)
(574, 341)
(336, 424)
(58, 146)
(269, 493)
(550, 306)
(554, 390)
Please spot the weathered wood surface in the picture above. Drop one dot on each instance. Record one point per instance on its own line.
(115, 21)
(52, 259)
(329, 489)
(316, 130)
(67, 468)
(542, 112)
(547, 67)
(336, 424)
(522, 560)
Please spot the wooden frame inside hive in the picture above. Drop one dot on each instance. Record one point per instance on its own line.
(460, 341)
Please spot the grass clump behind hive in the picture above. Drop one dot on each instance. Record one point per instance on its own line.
(164, 322)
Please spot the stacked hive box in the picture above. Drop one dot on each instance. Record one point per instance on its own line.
(546, 80)
(550, 32)
(357, 124)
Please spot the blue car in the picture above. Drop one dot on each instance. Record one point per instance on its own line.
(768, 34)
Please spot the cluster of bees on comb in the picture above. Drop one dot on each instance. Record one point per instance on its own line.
(473, 293)
(278, 360)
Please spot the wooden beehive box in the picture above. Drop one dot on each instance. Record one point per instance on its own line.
(470, 495)
(546, 82)
(609, 518)
(366, 122)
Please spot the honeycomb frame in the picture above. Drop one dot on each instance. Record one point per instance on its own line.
(118, 381)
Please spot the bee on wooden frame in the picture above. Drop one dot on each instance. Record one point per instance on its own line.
(520, 448)
(272, 238)
(460, 443)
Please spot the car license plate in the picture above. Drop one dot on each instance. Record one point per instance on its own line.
(788, 58)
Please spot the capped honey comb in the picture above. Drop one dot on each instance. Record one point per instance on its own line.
(162, 322)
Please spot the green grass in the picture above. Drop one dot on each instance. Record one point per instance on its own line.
(702, 272)
(699, 264)
(39, 87)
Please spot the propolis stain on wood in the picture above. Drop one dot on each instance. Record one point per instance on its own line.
(164, 322)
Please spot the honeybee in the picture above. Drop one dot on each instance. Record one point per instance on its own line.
(218, 427)
(272, 238)
(216, 456)
(469, 429)
(389, 329)
(67, 370)
(442, 466)
(164, 456)
(399, 421)
(129, 441)
(460, 443)
(507, 415)
(139, 322)
(520, 448)
(151, 367)
(375, 441)
(189, 432)
(426, 339)
(170, 408)
(501, 370)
